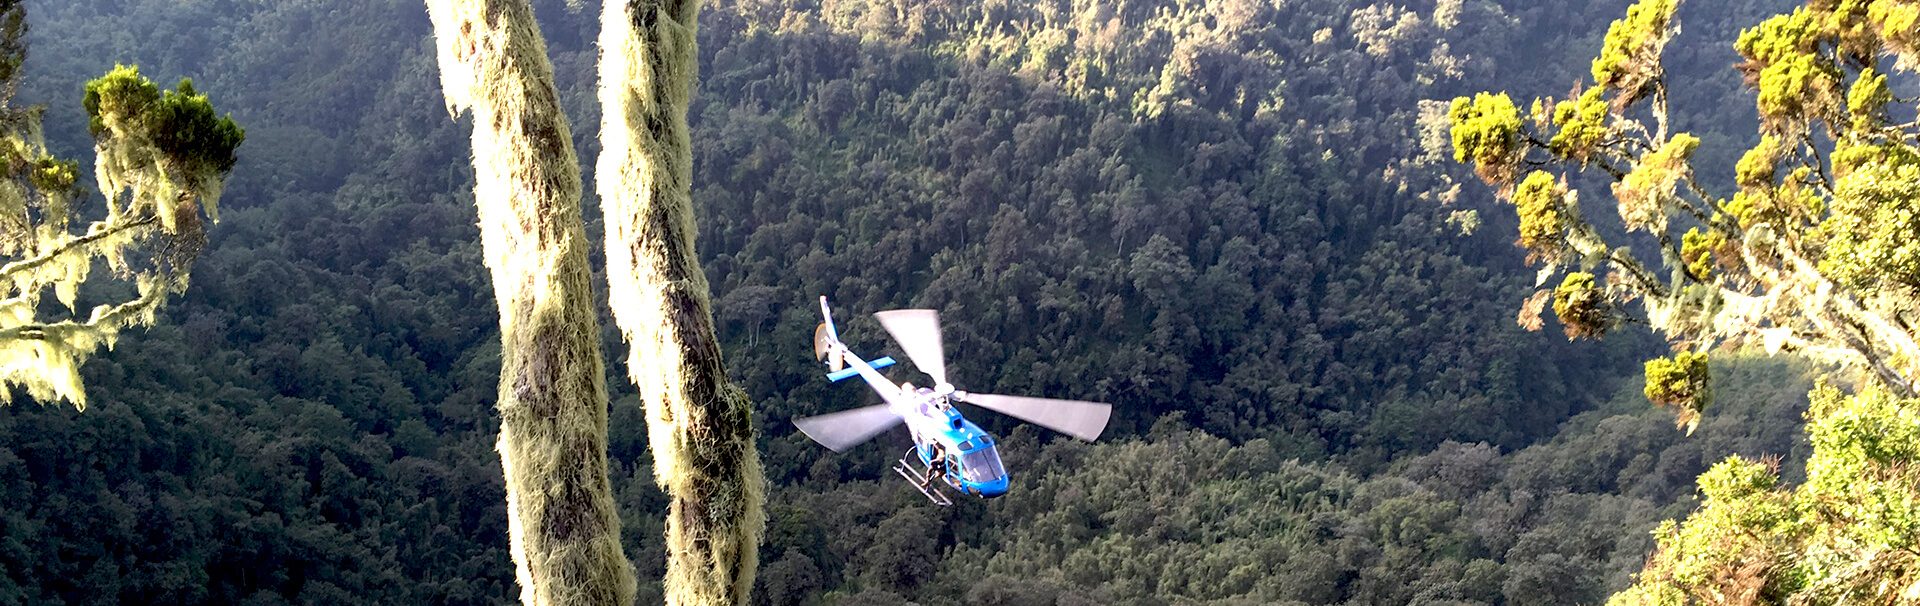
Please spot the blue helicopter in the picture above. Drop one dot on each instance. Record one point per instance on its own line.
(946, 445)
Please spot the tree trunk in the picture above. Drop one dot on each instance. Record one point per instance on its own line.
(564, 531)
(699, 425)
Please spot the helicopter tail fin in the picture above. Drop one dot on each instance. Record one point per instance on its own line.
(823, 347)
(826, 340)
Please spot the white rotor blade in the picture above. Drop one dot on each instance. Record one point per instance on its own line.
(1084, 420)
(918, 332)
(842, 430)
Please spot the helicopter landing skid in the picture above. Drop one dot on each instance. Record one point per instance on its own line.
(932, 492)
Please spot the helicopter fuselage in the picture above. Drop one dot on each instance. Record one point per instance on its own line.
(971, 456)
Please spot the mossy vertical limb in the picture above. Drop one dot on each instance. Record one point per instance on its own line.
(699, 425)
(563, 526)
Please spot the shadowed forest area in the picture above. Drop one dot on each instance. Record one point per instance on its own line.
(1237, 221)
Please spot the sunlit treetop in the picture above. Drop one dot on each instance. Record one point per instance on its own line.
(1646, 195)
(1583, 309)
(1873, 233)
(1777, 39)
(1756, 167)
(1797, 88)
(1898, 25)
(1703, 251)
(1815, 234)
(1847, 535)
(1486, 133)
(1867, 101)
(161, 158)
(1813, 252)
(1680, 382)
(166, 138)
(1539, 201)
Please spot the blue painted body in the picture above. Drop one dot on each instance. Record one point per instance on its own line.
(973, 458)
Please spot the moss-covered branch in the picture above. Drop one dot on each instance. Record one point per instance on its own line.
(700, 425)
(563, 527)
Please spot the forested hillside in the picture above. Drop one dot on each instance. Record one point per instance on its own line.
(1225, 218)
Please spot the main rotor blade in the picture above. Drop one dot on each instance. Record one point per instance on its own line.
(1084, 420)
(918, 332)
(842, 430)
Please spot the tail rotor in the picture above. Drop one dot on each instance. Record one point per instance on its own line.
(826, 340)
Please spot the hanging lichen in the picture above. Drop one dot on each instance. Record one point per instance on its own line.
(161, 157)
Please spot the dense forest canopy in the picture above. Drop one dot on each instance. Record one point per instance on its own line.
(1226, 218)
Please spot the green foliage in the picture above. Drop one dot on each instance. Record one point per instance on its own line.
(1791, 203)
(1583, 123)
(148, 239)
(1898, 24)
(1582, 308)
(1854, 153)
(1795, 88)
(1629, 60)
(1779, 38)
(120, 96)
(1724, 550)
(1846, 535)
(1680, 381)
(1646, 194)
(1142, 256)
(159, 143)
(54, 175)
(1870, 233)
(314, 422)
(1539, 200)
(1867, 100)
(1807, 244)
(1737, 478)
(1701, 250)
(1179, 515)
(186, 128)
(1756, 166)
(1861, 470)
(1486, 133)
